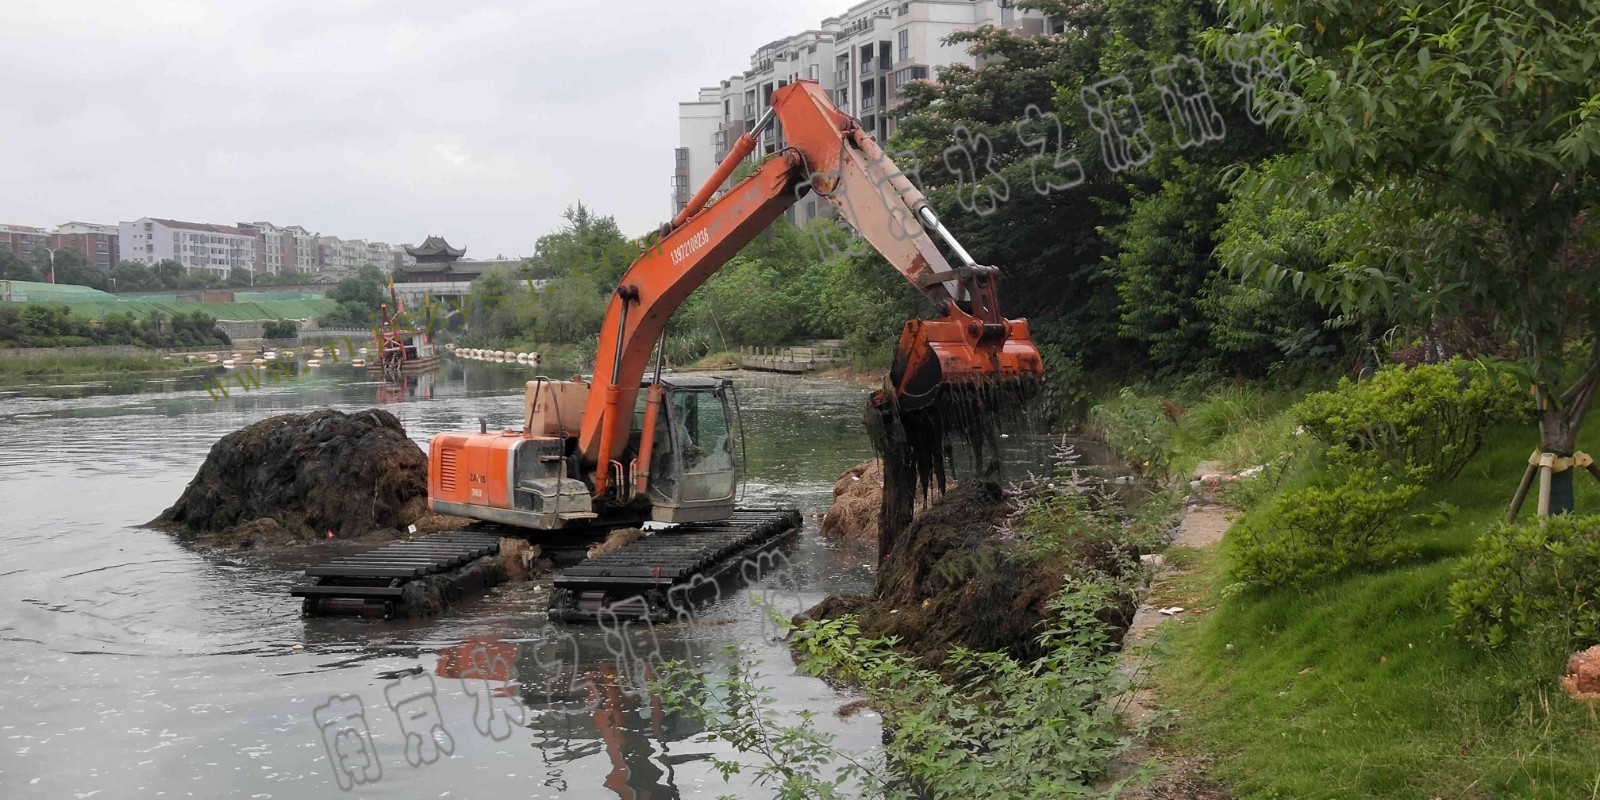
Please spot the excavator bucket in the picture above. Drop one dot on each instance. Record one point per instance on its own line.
(953, 377)
(959, 352)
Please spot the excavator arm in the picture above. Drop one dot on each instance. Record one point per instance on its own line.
(828, 154)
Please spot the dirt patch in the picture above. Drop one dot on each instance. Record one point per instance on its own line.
(1179, 777)
(952, 580)
(1582, 681)
(292, 479)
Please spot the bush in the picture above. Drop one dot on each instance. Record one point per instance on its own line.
(1138, 428)
(1430, 417)
(1064, 397)
(1315, 532)
(280, 329)
(1542, 577)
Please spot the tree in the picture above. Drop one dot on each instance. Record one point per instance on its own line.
(499, 306)
(71, 267)
(358, 298)
(239, 277)
(133, 276)
(1464, 138)
(168, 273)
(569, 309)
(588, 246)
(13, 268)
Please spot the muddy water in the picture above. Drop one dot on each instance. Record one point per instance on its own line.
(131, 667)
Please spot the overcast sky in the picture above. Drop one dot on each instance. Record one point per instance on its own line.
(371, 119)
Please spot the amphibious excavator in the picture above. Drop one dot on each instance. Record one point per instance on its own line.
(619, 448)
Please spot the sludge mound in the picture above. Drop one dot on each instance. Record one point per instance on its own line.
(294, 477)
(857, 499)
(952, 580)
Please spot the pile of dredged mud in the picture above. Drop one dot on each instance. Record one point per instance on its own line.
(295, 478)
(955, 578)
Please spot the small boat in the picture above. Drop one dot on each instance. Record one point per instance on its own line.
(229, 363)
(212, 357)
(258, 361)
(319, 353)
(362, 350)
(312, 362)
(270, 355)
(358, 362)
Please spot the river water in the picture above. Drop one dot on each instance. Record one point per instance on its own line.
(133, 667)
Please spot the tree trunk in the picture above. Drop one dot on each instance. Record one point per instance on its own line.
(1559, 423)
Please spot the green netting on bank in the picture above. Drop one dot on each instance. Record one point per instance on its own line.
(261, 310)
(35, 291)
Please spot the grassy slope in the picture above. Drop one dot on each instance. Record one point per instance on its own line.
(14, 369)
(263, 309)
(1358, 687)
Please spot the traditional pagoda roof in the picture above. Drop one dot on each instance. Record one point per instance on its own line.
(435, 250)
(472, 268)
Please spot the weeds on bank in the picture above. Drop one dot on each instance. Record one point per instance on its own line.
(75, 365)
(996, 728)
(979, 724)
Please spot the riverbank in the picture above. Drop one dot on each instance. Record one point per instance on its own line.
(78, 366)
(1356, 684)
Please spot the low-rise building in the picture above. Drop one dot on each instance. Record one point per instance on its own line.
(21, 239)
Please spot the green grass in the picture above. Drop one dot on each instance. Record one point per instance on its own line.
(263, 309)
(19, 369)
(1358, 687)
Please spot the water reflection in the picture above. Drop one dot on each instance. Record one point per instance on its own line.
(166, 669)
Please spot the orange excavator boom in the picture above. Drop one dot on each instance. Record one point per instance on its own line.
(968, 342)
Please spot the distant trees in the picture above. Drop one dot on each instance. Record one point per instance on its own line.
(13, 268)
(71, 266)
(41, 325)
(280, 329)
(358, 298)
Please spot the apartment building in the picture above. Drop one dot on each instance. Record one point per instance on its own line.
(21, 239)
(101, 244)
(344, 257)
(402, 260)
(862, 57)
(195, 245)
(288, 249)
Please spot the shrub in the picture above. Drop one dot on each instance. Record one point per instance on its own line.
(280, 329)
(1542, 577)
(1063, 397)
(1315, 532)
(1431, 417)
(1138, 428)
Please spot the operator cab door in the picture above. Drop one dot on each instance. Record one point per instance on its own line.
(693, 474)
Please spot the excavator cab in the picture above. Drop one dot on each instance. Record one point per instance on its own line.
(693, 473)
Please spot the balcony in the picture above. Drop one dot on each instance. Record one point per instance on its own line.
(866, 67)
(750, 111)
(842, 76)
(868, 103)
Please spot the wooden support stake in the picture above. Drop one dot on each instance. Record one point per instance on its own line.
(1546, 473)
(1522, 491)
